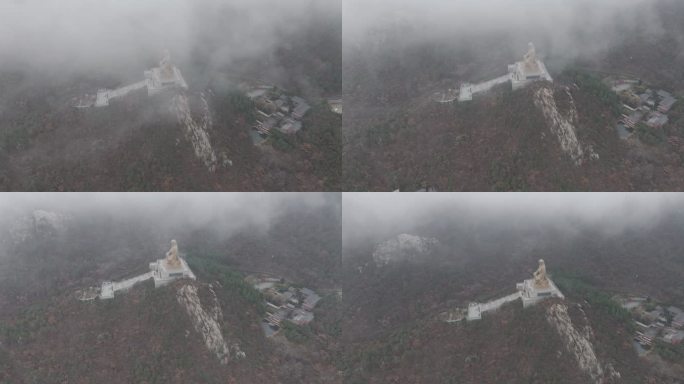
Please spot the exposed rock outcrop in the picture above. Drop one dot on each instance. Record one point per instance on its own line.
(39, 223)
(197, 132)
(562, 125)
(403, 247)
(579, 344)
(207, 322)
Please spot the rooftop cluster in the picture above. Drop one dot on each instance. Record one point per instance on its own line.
(641, 105)
(655, 322)
(277, 110)
(284, 302)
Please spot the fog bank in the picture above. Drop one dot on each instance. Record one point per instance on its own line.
(112, 36)
(366, 216)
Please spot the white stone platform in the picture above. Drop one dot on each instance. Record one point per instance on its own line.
(529, 292)
(160, 272)
(109, 288)
(520, 74)
(158, 79)
(532, 295)
(475, 310)
(468, 90)
(163, 273)
(104, 95)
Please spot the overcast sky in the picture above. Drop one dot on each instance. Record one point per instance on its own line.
(361, 212)
(113, 35)
(117, 35)
(366, 214)
(232, 211)
(561, 28)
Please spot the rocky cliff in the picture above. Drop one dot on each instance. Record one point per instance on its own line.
(404, 247)
(579, 342)
(207, 322)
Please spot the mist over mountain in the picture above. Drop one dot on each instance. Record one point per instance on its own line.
(593, 235)
(56, 57)
(612, 245)
(370, 217)
(54, 247)
(408, 128)
(49, 243)
(468, 37)
(75, 37)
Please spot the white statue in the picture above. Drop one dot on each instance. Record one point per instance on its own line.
(540, 279)
(531, 55)
(165, 64)
(172, 259)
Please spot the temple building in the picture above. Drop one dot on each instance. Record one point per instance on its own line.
(520, 74)
(162, 271)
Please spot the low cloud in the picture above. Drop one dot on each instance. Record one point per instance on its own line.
(110, 36)
(373, 216)
(562, 29)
